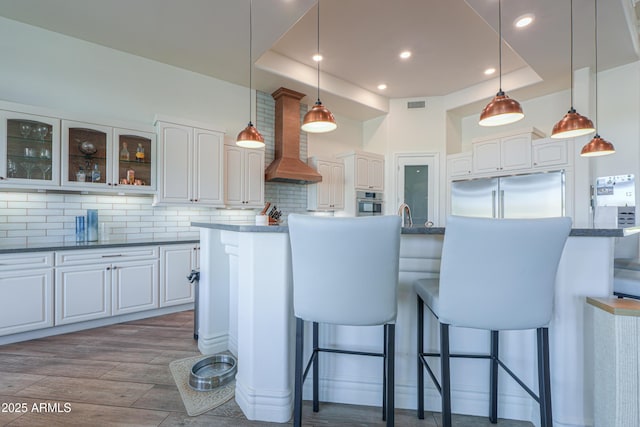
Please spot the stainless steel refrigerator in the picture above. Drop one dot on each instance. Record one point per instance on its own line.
(520, 196)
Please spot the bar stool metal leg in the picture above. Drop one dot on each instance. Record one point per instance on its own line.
(420, 310)
(316, 380)
(493, 395)
(384, 375)
(544, 377)
(297, 396)
(389, 361)
(446, 375)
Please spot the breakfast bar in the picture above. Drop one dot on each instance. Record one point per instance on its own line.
(246, 308)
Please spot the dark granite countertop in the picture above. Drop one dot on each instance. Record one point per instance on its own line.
(70, 245)
(252, 228)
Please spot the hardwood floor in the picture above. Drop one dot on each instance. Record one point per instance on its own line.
(119, 375)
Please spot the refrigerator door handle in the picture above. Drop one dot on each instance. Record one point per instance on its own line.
(501, 203)
(493, 204)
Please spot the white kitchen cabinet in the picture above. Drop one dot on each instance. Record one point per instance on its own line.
(29, 151)
(135, 286)
(244, 177)
(369, 172)
(99, 157)
(82, 293)
(176, 263)
(87, 148)
(459, 164)
(26, 292)
(135, 161)
(550, 152)
(328, 194)
(502, 154)
(95, 283)
(191, 165)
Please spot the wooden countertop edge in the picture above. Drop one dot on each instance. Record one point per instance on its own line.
(616, 306)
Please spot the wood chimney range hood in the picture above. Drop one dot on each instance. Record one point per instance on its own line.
(287, 166)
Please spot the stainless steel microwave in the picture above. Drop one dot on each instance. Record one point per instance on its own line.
(368, 203)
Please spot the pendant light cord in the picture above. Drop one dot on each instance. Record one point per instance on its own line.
(318, 48)
(250, 57)
(595, 11)
(500, 45)
(571, 74)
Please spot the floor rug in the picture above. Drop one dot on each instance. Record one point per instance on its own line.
(198, 402)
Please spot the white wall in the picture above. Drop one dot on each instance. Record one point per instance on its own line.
(348, 136)
(619, 121)
(52, 70)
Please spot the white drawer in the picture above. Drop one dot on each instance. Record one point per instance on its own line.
(86, 256)
(26, 261)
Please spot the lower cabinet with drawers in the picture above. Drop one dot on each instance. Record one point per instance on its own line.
(40, 290)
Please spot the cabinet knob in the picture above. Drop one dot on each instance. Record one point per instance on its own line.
(195, 200)
(1, 177)
(115, 184)
(115, 267)
(108, 268)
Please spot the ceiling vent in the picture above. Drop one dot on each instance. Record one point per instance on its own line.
(416, 104)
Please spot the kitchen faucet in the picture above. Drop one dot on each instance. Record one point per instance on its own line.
(405, 211)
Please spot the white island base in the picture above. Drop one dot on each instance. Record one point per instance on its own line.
(245, 307)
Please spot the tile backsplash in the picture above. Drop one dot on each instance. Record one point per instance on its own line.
(50, 217)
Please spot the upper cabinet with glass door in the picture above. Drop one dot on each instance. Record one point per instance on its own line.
(97, 158)
(135, 164)
(86, 156)
(29, 150)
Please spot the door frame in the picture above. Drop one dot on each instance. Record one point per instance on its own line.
(432, 160)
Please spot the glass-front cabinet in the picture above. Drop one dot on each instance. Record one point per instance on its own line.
(97, 157)
(135, 165)
(86, 155)
(30, 155)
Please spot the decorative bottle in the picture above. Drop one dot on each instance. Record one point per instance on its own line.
(80, 175)
(131, 176)
(124, 153)
(140, 153)
(95, 173)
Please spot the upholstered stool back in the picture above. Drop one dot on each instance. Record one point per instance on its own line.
(499, 274)
(345, 270)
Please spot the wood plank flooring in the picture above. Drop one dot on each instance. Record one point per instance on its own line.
(119, 376)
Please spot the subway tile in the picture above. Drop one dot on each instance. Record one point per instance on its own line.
(17, 241)
(13, 226)
(46, 212)
(45, 225)
(14, 197)
(14, 212)
(25, 233)
(28, 218)
(26, 205)
(63, 205)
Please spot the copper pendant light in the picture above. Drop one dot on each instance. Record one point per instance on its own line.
(572, 124)
(597, 146)
(319, 119)
(249, 137)
(502, 110)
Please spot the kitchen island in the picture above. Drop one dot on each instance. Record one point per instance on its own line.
(246, 308)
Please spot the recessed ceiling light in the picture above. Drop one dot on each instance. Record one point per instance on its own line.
(317, 57)
(489, 71)
(382, 86)
(405, 54)
(523, 21)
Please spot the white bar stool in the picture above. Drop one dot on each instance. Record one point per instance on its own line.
(345, 272)
(495, 274)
